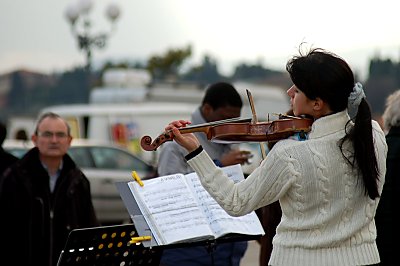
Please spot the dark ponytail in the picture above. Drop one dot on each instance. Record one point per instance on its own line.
(364, 152)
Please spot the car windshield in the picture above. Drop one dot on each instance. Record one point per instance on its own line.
(106, 158)
(17, 152)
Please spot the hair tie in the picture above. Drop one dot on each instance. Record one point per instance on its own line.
(355, 98)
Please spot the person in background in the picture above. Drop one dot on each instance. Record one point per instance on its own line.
(328, 185)
(387, 228)
(43, 196)
(21, 134)
(221, 101)
(6, 158)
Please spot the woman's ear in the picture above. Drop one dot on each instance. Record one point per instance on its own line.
(321, 108)
(206, 110)
(318, 104)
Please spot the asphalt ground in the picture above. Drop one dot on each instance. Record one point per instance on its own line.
(251, 256)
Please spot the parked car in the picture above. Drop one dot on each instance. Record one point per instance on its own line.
(103, 164)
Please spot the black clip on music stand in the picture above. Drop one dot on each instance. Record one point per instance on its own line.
(108, 245)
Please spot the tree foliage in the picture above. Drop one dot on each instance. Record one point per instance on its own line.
(168, 65)
(205, 73)
(384, 78)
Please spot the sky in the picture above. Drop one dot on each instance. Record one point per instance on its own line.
(35, 34)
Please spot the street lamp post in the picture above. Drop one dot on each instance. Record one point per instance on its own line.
(77, 15)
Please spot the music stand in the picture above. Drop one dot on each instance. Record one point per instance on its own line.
(107, 245)
(144, 229)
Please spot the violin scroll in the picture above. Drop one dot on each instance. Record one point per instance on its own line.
(149, 145)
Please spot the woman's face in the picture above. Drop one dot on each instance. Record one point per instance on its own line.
(299, 102)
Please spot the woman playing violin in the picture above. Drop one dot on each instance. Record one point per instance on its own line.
(328, 185)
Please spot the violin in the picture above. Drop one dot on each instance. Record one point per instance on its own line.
(238, 130)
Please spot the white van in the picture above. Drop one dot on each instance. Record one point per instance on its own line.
(267, 99)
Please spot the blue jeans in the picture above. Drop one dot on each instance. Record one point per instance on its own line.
(225, 254)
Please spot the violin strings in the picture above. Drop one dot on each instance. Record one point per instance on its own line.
(221, 122)
(286, 116)
(215, 123)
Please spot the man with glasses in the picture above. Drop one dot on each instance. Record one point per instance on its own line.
(43, 197)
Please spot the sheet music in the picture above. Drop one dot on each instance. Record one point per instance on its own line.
(178, 209)
(220, 221)
(170, 209)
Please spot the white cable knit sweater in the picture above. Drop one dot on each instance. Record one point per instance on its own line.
(327, 219)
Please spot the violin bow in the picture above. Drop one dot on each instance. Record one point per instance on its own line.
(255, 120)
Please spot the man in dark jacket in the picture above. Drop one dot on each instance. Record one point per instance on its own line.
(386, 215)
(43, 197)
(6, 158)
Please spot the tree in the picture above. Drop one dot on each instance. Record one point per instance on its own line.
(205, 73)
(252, 72)
(383, 80)
(72, 87)
(167, 66)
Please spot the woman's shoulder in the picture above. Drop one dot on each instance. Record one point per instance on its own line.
(377, 129)
(376, 125)
(288, 144)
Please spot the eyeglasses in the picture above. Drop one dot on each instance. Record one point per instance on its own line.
(50, 135)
